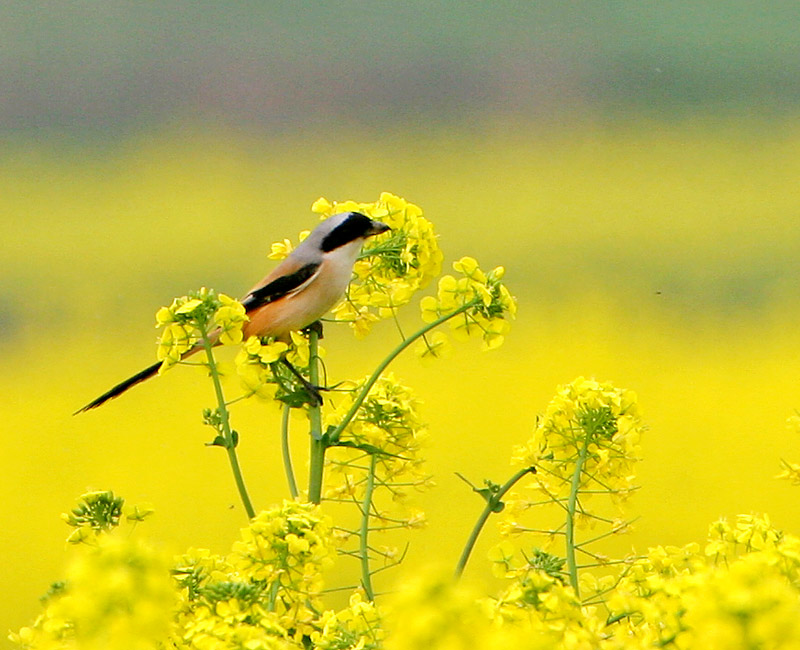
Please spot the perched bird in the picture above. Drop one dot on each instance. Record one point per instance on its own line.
(298, 292)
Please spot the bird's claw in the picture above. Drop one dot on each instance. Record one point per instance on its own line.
(314, 394)
(316, 327)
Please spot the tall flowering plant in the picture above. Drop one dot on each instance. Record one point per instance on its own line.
(365, 439)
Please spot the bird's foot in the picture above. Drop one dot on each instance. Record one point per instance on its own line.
(312, 390)
(316, 326)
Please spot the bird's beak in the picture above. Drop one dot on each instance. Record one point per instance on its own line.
(377, 228)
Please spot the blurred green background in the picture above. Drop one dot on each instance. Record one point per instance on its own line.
(633, 166)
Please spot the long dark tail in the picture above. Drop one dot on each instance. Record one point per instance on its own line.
(121, 387)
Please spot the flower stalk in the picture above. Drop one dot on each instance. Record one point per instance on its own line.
(493, 501)
(337, 432)
(318, 445)
(230, 443)
(286, 452)
(366, 576)
(572, 502)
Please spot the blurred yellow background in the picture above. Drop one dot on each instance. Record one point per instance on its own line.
(650, 233)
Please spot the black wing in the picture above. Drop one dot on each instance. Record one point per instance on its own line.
(279, 287)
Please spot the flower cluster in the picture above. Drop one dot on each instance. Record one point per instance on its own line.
(584, 445)
(285, 549)
(392, 266)
(681, 597)
(591, 422)
(221, 609)
(379, 450)
(265, 593)
(386, 425)
(483, 303)
(740, 592)
(433, 612)
(357, 627)
(261, 375)
(748, 604)
(753, 532)
(540, 602)
(118, 594)
(504, 562)
(100, 512)
(190, 319)
(647, 602)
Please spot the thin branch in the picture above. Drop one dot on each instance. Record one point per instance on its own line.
(491, 504)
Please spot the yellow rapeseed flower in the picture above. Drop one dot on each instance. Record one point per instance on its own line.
(229, 319)
(175, 340)
(272, 352)
(280, 250)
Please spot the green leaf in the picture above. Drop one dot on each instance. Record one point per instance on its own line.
(498, 506)
(370, 449)
(327, 437)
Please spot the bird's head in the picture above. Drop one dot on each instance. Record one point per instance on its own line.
(346, 227)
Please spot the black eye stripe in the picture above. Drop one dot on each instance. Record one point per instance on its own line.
(356, 225)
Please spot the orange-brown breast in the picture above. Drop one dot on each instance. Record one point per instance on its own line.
(298, 310)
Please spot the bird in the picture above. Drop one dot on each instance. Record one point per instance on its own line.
(296, 293)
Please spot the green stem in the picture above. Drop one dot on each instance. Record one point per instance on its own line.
(572, 502)
(491, 504)
(317, 452)
(287, 457)
(230, 447)
(385, 363)
(366, 576)
(273, 594)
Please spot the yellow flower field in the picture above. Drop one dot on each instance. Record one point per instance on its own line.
(662, 258)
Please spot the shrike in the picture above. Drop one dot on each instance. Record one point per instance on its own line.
(298, 292)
